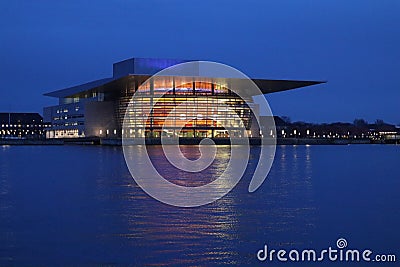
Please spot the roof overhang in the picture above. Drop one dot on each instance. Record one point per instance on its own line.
(266, 86)
(70, 91)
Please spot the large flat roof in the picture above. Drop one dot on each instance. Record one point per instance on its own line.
(140, 69)
(266, 86)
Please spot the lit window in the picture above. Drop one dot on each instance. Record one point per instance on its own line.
(101, 132)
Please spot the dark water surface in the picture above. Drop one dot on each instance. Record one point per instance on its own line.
(78, 205)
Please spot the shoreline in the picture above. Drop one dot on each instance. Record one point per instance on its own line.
(193, 141)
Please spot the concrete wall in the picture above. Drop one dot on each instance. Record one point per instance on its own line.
(100, 119)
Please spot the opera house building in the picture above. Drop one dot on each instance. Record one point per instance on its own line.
(98, 108)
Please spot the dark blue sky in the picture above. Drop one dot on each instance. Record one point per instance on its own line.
(354, 45)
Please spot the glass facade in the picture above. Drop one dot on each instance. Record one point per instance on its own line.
(176, 106)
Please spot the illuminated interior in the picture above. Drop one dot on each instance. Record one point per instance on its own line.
(195, 109)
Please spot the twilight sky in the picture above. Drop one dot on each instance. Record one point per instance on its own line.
(354, 45)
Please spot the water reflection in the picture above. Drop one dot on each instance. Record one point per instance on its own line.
(162, 234)
(84, 208)
(225, 232)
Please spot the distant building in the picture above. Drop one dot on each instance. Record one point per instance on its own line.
(97, 108)
(337, 130)
(280, 125)
(22, 126)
